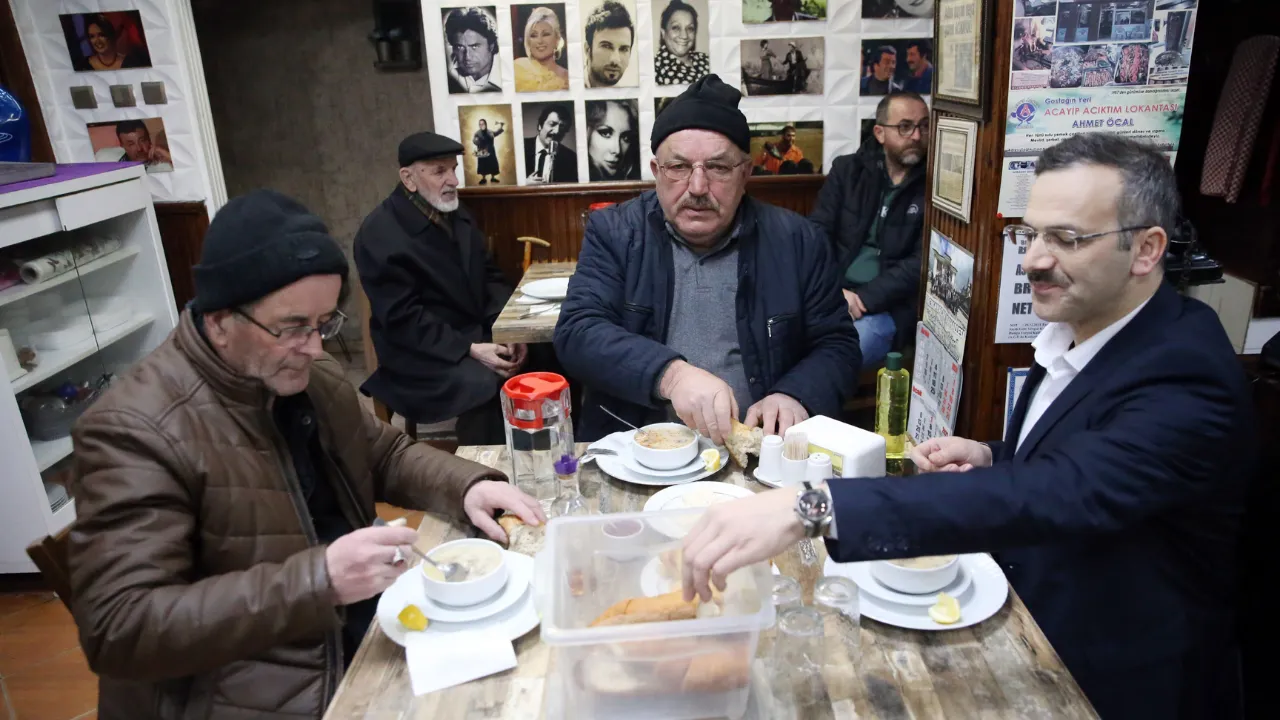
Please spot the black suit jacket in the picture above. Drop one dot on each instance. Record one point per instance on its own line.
(563, 169)
(1116, 520)
(431, 296)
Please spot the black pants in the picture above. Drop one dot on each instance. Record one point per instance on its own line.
(483, 425)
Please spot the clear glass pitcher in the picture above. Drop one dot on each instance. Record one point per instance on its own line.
(536, 409)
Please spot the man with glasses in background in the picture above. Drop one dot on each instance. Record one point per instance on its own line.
(871, 208)
(695, 302)
(222, 559)
(1114, 502)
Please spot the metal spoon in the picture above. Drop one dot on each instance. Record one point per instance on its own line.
(452, 572)
(614, 415)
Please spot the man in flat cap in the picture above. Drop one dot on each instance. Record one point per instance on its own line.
(222, 560)
(434, 293)
(694, 301)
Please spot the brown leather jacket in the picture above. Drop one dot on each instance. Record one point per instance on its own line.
(200, 590)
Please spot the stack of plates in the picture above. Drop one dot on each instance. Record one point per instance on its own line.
(980, 587)
(625, 467)
(510, 612)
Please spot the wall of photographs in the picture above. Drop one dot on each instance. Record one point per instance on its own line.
(567, 92)
(114, 87)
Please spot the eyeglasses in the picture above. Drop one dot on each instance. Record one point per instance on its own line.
(906, 127)
(298, 335)
(1058, 239)
(716, 172)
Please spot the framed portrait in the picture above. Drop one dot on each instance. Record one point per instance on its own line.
(893, 64)
(613, 140)
(955, 156)
(962, 31)
(782, 66)
(143, 141)
(550, 143)
(489, 155)
(681, 41)
(608, 44)
(538, 45)
(471, 49)
(786, 148)
(106, 41)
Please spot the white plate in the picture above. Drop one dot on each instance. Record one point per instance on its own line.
(673, 499)
(628, 457)
(520, 569)
(986, 595)
(860, 573)
(548, 289)
(615, 466)
(513, 622)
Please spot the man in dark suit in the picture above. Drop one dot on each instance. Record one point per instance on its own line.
(433, 294)
(546, 159)
(1114, 502)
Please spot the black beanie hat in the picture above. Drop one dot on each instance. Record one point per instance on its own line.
(708, 104)
(259, 243)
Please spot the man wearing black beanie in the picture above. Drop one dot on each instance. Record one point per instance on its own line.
(222, 558)
(695, 302)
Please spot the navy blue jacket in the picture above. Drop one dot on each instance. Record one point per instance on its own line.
(1116, 520)
(793, 326)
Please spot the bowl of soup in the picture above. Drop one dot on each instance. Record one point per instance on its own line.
(917, 575)
(486, 572)
(664, 446)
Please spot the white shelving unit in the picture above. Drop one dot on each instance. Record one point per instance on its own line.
(86, 201)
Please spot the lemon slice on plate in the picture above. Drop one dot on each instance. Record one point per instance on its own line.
(711, 459)
(946, 611)
(412, 618)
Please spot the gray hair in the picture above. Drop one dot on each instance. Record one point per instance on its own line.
(1150, 195)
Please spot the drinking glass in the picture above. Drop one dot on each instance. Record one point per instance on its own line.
(836, 598)
(798, 654)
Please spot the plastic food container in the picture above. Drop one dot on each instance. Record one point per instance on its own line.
(679, 669)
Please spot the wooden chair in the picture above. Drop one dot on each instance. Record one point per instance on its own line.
(529, 241)
(380, 408)
(50, 557)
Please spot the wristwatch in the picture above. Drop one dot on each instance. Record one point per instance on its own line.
(813, 506)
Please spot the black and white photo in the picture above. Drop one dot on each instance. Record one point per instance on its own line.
(782, 66)
(549, 143)
(613, 140)
(471, 47)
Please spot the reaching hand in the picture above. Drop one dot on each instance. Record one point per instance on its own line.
(703, 401)
(778, 412)
(493, 357)
(950, 454)
(856, 308)
(736, 534)
(361, 563)
(489, 496)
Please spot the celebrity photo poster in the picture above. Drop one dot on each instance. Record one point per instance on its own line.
(613, 142)
(489, 155)
(783, 66)
(550, 143)
(681, 41)
(471, 44)
(786, 148)
(609, 44)
(890, 65)
(141, 141)
(538, 43)
(106, 41)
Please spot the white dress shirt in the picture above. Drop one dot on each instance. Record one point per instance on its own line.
(1062, 362)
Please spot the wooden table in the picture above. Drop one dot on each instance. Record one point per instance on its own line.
(1001, 668)
(511, 327)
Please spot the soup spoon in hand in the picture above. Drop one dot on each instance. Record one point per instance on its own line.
(452, 572)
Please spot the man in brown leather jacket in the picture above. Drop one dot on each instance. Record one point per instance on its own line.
(222, 560)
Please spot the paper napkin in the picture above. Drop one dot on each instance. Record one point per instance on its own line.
(441, 660)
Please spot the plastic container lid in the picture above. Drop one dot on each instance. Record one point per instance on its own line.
(893, 361)
(524, 397)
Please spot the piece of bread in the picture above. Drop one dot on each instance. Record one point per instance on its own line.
(660, 608)
(522, 538)
(742, 442)
(720, 671)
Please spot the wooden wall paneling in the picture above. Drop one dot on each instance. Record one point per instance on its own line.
(982, 399)
(554, 213)
(15, 76)
(182, 228)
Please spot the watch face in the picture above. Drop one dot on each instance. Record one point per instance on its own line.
(813, 504)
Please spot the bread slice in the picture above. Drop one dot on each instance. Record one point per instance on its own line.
(522, 538)
(661, 608)
(742, 442)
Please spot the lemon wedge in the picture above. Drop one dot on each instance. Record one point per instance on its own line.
(711, 459)
(946, 611)
(411, 617)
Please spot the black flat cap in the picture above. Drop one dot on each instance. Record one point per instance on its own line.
(427, 146)
(708, 104)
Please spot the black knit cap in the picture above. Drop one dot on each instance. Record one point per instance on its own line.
(426, 146)
(258, 243)
(708, 104)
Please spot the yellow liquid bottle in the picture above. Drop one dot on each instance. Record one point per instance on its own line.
(893, 396)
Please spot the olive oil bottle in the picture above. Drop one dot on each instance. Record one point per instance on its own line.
(893, 396)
